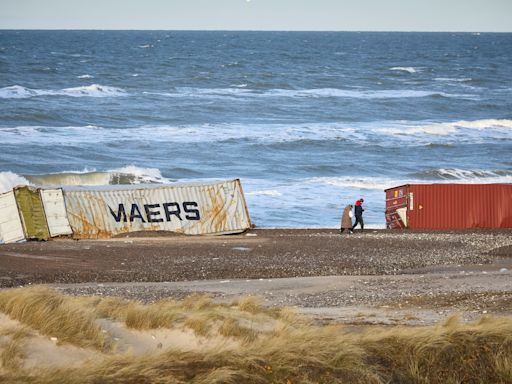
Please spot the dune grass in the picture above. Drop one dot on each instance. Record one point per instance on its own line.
(271, 346)
(54, 315)
(11, 351)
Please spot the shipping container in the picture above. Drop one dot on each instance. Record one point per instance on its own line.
(11, 228)
(55, 212)
(32, 213)
(188, 208)
(449, 206)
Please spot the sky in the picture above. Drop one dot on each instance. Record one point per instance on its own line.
(288, 15)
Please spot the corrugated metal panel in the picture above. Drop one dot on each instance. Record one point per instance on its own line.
(11, 229)
(459, 206)
(32, 214)
(55, 211)
(193, 209)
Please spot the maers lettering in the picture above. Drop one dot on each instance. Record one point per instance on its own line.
(156, 213)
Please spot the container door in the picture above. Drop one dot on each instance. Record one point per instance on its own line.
(396, 208)
(55, 211)
(11, 229)
(32, 213)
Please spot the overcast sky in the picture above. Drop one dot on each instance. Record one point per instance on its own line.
(333, 15)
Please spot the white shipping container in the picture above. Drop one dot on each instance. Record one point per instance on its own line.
(55, 211)
(11, 229)
(188, 208)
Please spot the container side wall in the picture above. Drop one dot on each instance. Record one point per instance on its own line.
(55, 211)
(11, 228)
(460, 206)
(193, 210)
(32, 213)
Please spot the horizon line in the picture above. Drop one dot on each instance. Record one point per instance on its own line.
(250, 30)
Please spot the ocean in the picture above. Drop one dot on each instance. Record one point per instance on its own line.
(309, 121)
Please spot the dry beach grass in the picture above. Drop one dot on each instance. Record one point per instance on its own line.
(197, 340)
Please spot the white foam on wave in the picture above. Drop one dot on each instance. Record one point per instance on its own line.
(9, 180)
(442, 129)
(266, 192)
(451, 79)
(85, 77)
(354, 182)
(239, 92)
(93, 90)
(470, 175)
(18, 92)
(129, 174)
(405, 69)
(385, 133)
(441, 175)
(141, 174)
(497, 128)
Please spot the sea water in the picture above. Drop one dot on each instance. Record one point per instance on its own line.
(308, 121)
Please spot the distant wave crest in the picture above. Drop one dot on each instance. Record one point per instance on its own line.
(239, 92)
(405, 69)
(93, 90)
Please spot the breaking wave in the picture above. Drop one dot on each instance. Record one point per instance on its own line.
(126, 175)
(442, 175)
(9, 180)
(464, 175)
(384, 133)
(497, 127)
(97, 90)
(307, 93)
(93, 90)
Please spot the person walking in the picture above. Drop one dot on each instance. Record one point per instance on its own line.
(358, 212)
(346, 219)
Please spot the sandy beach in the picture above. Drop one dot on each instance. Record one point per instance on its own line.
(377, 276)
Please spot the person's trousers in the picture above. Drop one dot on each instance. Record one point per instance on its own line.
(359, 219)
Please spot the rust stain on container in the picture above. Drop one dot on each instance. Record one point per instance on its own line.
(449, 206)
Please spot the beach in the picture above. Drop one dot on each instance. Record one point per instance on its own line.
(375, 276)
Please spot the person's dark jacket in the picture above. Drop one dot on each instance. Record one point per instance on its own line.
(358, 210)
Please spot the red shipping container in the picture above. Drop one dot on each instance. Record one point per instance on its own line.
(449, 206)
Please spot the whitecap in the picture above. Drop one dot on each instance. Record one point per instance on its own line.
(85, 77)
(366, 183)
(451, 79)
(305, 93)
(19, 92)
(405, 69)
(93, 90)
(270, 192)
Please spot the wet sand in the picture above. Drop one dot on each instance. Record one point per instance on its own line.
(377, 276)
